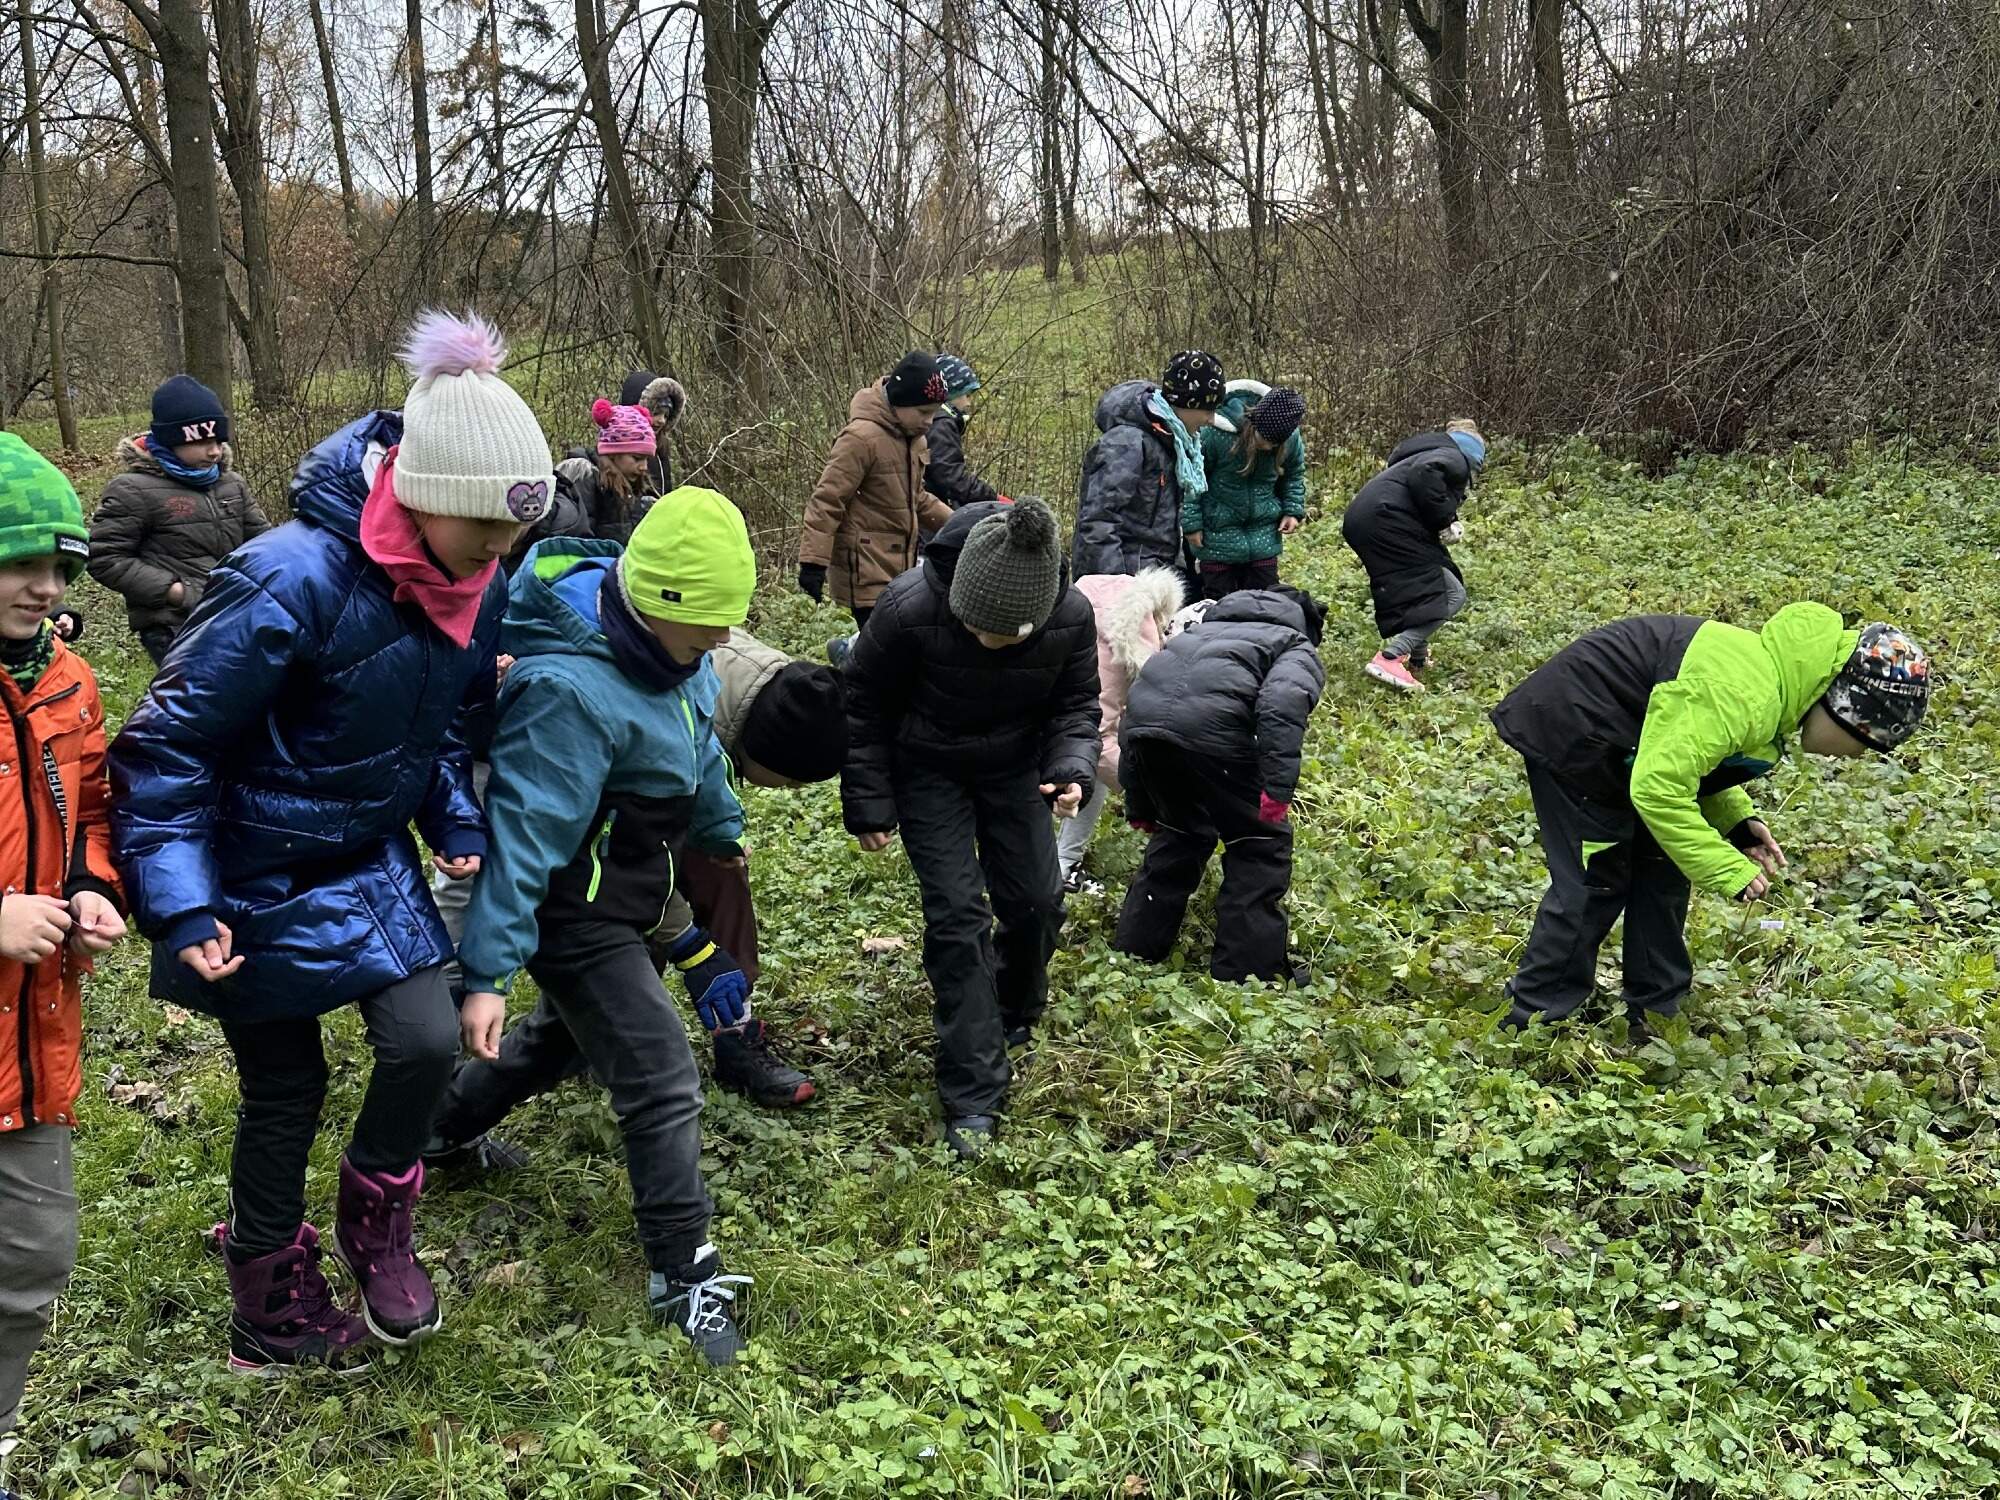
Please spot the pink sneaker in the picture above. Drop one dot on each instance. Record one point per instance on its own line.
(1394, 671)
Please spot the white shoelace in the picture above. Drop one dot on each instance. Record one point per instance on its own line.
(705, 1301)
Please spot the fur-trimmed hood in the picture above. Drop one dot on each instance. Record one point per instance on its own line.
(1132, 615)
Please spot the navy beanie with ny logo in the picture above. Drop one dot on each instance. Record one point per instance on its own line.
(186, 411)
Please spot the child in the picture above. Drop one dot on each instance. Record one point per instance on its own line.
(1146, 467)
(1213, 737)
(862, 522)
(612, 481)
(605, 767)
(62, 903)
(1133, 614)
(665, 401)
(176, 511)
(947, 476)
(1397, 526)
(972, 707)
(1256, 496)
(1639, 739)
(265, 790)
(1461, 432)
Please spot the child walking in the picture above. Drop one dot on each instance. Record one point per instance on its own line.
(1214, 735)
(605, 770)
(1640, 738)
(1146, 468)
(176, 511)
(1256, 496)
(612, 481)
(62, 902)
(265, 788)
(1133, 614)
(972, 706)
(947, 475)
(1398, 526)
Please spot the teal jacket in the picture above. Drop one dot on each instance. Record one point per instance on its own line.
(597, 780)
(1238, 517)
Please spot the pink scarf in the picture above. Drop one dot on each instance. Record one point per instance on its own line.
(390, 537)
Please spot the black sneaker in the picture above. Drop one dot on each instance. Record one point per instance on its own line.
(970, 1135)
(695, 1299)
(1019, 1036)
(483, 1153)
(744, 1064)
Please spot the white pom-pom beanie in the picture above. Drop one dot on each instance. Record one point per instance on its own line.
(471, 447)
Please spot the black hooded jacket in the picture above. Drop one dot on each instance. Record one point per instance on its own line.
(1393, 526)
(919, 686)
(947, 475)
(1418, 442)
(1237, 689)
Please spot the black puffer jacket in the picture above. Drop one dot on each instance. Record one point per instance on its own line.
(1128, 503)
(1418, 442)
(1237, 688)
(947, 475)
(151, 531)
(1393, 527)
(919, 686)
(610, 518)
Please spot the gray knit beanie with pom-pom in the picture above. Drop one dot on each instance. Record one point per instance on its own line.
(1009, 572)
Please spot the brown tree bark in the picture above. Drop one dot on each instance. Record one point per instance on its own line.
(595, 47)
(420, 123)
(38, 174)
(156, 217)
(1545, 20)
(1048, 170)
(733, 36)
(350, 202)
(243, 157)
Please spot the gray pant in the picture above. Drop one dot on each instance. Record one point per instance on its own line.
(1073, 835)
(37, 1247)
(1414, 643)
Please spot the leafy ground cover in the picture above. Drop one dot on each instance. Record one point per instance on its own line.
(1346, 1240)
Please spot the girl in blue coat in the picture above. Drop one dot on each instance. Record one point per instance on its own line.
(263, 796)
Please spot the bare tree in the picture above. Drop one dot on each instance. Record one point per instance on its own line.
(38, 172)
(242, 133)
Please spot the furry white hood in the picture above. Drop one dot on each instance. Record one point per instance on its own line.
(1154, 594)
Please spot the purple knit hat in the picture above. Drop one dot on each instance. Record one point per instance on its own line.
(623, 429)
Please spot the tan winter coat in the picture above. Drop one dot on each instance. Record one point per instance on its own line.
(862, 521)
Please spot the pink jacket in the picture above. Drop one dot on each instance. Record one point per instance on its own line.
(1132, 615)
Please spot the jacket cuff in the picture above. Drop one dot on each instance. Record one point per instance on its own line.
(189, 930)
(479, 984)
(463, 843)
(78, 884)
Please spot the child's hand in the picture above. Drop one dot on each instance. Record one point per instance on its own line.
(1763, 848)
(1289, 525)
(875, 843)
(211, 960)
(480, 1021)
(1066, 801)
(31, 927)
(463, 868)
(502, 665)
(1754, 889)
(97, 923)
(1194, 540)
(176, 592)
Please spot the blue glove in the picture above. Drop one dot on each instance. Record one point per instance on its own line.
(715, 981)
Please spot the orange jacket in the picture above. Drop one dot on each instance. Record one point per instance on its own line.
(55, 839)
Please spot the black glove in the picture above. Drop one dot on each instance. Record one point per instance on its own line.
(812, 581)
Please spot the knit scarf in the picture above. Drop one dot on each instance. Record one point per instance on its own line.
(173, 468)
(25, 661)
(638, 651)
(1189, 470)
(390, 537)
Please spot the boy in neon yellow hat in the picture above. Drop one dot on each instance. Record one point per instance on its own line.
(604, 765)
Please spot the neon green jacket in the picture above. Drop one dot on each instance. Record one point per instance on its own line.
(1738, 696)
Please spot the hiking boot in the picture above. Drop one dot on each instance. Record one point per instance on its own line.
(970, 1135)
(837, 650)
(283, 1313)
(1020, 1034)
(373, 1234)
(483, 1153)
(695, 1298)
(744, 1064)
(1394, 671)
(1302, 976)
(1076, 883)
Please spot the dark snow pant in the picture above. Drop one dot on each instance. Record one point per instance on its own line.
(281, 1073)
(1218, 580)
(38, 1216)
(602, 1000)
(1602, 861)
(1196, 804)
(157, 639)
(967, 839)
(861, 612)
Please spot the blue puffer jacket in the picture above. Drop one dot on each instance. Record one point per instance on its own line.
(270, 774)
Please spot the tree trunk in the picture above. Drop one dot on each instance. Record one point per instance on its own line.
(1079, 248)
(350, 203)
(625, 221)
(1545, 24)
(957, 171)
(499, 103)
(205, 332)
(1048, 107)
(38, 172)
(420, 124)
(156, 219)
(243, 156)
(733, 34)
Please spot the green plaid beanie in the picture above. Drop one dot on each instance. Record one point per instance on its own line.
(39, 512)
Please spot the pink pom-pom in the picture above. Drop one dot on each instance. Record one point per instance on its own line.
(442, 343)
(601, 412)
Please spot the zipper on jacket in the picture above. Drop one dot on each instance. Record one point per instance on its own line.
(600, 850)
(672, 874)
(24, 1003)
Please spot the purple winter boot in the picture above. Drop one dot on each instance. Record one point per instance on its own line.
(285, 1315)
(372, 1234)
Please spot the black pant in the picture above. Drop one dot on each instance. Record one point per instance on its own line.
(602, 999)
(1196, 803)
(1602, 861)
(157, 639)
(281, 1073)
(861, 612)
(968, 839)
(1220, 579)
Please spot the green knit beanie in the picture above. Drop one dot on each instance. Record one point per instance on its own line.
(1009, 572)
(689, 560)
(40, 515)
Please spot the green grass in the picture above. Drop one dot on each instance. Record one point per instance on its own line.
(1345, 1241)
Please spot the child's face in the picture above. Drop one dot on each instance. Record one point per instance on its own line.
(627, 466)
(962, 404)
(916, 420)
(198, 455)
(1192, 419)
(29, 588)
(687, 644)
(993, 641)
(466, 545)
(1820, 735)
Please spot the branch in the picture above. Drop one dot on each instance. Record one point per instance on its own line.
(1426, 33)
(1380, 57)
(55, 258)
